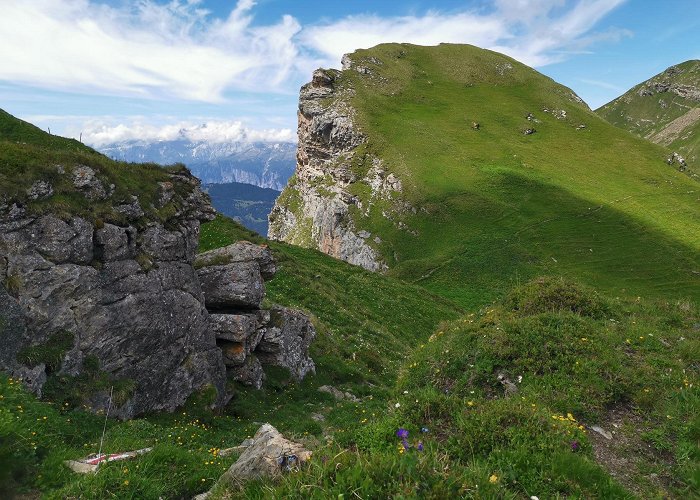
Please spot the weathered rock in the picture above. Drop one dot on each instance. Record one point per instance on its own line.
(40, 189)
(286, 342)
(147, 327)
(235, 285)
(130, 210)
(115, 243)
(233, 352)
(314, 210)
(249, 373)
(166, 192)
(234, 327)
(241, 251)
(55, 239)
(84, 178)
(269, 456)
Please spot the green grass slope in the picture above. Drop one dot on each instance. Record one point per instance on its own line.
(664, 109)
(494, 206)
(367, 325)
(28, 154)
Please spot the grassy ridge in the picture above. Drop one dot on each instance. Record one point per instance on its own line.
(495, 205)
(28, 154)
(647, 112)
(576, 360)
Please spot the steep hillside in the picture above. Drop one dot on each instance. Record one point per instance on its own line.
(466, 171)
(248, 204)
(664, 109)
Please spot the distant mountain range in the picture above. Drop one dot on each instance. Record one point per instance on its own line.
(267, 165)
(245, 203)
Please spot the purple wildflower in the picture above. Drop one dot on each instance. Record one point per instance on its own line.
(402, 433)
(420, 446)
(405, 444)
(575, 446)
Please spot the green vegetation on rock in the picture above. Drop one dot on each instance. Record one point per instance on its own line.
(664, 109)
(29, 155)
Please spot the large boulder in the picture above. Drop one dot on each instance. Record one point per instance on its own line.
(286, 342)
(238, 285)
(126, 302)
(269, 456)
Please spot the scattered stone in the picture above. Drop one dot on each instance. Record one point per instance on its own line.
(476, 126)
(40, 189)
(509, 386)
(338, 394)
(529, 131)
(602, 432)
(581, 127)
(317, 417)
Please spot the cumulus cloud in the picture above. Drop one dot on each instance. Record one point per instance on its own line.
(98, 133)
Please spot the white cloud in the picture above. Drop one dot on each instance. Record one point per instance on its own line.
(536, 32)
(179, 51)
(100, 132)
(143, 49)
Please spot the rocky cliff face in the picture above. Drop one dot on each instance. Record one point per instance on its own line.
(248, 336)
(123, 300)
(316, 209)
(99, 305)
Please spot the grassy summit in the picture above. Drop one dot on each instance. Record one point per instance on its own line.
(664, 109)
(578, 197)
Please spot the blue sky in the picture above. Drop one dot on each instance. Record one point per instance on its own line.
(231, 69)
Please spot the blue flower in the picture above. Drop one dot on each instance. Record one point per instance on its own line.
(402, 433)
(420, 446)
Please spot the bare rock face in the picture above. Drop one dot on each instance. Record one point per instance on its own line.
(315, 208)
(286, 340)
(236, 285)
(126, 301)
(250, 337)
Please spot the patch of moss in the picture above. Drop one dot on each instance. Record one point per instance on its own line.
(76, 391)
(12, 284)
(50, 353)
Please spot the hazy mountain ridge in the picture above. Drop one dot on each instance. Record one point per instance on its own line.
(267, 165)
(245, 203)
(664, 109)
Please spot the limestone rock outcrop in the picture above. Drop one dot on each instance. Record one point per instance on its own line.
(316, 208)
(249, 337)
(126, 300)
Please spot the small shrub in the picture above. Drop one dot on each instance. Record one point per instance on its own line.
(547, 294)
